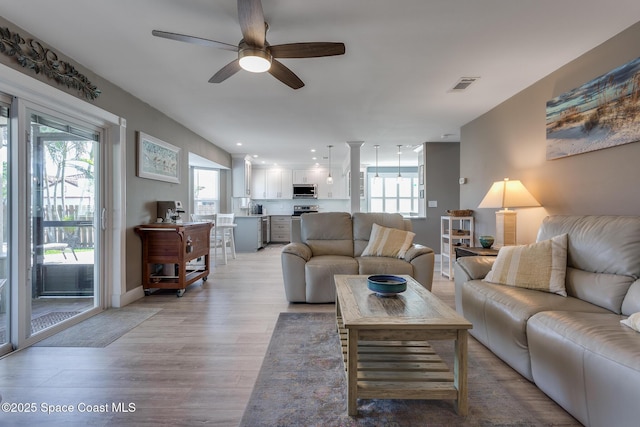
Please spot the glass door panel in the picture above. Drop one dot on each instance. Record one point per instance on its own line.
(5, 306)
(63, 209)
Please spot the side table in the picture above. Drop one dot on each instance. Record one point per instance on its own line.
(462, 251)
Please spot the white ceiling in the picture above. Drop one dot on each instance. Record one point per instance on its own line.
(391, 87)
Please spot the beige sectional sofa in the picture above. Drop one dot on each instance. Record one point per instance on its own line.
(573, 348)
(333, 243)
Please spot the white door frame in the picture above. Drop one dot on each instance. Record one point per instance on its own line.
(36, 94)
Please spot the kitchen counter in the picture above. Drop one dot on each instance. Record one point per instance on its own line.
(251, 233)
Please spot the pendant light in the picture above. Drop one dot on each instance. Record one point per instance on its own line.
(376, 147)
(329, 178)
(399, 178)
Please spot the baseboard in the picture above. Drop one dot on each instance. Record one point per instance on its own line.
(120, 300)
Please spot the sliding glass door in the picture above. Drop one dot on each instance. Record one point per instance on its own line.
(63, 214)
(5, 305)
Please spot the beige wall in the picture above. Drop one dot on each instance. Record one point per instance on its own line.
(141, 193)
(510, 141)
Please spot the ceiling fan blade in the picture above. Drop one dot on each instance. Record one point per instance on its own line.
(225, 72)
(307, 50)
(252, 23)
(285, 75)
(194, 40)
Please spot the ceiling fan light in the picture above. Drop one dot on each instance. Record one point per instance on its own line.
(254, 60)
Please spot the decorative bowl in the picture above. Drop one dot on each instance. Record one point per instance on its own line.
(486, 241)
(386, 285)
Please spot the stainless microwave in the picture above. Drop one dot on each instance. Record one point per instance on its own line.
(305, 191)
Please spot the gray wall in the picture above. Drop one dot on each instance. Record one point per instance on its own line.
(510, 141)
(141, 193)
(442, 170)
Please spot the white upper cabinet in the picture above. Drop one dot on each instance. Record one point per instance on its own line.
(307, 176)
(271, 184)
(259, 184)
(241, 176)
(332, 191)
(279, 184)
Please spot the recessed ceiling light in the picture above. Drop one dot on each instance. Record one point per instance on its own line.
(255, 156)
(238, 143)
(313, 150)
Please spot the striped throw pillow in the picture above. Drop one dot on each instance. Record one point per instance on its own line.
(388, 242)
(540, 266)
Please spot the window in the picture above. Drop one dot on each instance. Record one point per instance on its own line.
(206, 191)
(388, 194)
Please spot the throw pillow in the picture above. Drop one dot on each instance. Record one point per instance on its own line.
(632, 321)
(388, 242)
(541, 266)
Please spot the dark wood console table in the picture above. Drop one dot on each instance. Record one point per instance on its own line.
(166, 251)
(462, 251)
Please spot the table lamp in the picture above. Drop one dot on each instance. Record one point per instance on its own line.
(504, 195)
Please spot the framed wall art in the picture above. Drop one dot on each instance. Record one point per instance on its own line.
(602, 113)
(157, 159)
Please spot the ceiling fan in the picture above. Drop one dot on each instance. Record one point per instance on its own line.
(254, 52)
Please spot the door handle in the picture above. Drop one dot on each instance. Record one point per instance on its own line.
(103, 219)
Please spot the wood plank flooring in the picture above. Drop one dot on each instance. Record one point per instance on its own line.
(193, 363)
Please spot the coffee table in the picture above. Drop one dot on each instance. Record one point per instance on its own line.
(385, 344)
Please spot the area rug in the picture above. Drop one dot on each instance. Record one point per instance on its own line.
(302, 383)
(101, 329)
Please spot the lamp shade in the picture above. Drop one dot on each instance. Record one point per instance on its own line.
(508, 194)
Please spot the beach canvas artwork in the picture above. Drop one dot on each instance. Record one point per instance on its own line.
(602, 113)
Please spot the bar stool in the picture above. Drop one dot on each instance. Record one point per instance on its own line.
(223, 226)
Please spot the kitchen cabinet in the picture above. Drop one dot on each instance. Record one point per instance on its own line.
(271, 184)
(167, 250)
(337, 190)
(279, 184)
(280, 228)
(455, 231)
(248, 234)
(241, 176)
(307, 176)
(318, 176)
(259, 184)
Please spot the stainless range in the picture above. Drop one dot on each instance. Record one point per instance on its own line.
(300, 209)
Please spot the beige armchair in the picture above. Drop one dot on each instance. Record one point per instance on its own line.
(333, 243)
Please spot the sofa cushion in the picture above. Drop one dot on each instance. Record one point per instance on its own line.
(500, 313)
(539, 266)
(588, 363)
(605, 290)
(319, 272)
(372, 265)
(328, 233)
(388, 242)
(600, 244)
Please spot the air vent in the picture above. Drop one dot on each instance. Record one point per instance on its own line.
(463, 84)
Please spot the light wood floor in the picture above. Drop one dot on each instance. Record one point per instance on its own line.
(193, 363)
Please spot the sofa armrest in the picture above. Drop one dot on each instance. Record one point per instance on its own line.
(474, 267)
(466, 269)
(422, 259)
(298, 249)
(415, 251)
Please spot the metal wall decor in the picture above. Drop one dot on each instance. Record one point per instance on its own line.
(31, 54)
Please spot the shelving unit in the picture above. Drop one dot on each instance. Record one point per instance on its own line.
(455, 231)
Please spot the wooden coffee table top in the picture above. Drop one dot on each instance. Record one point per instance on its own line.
(415, 308)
